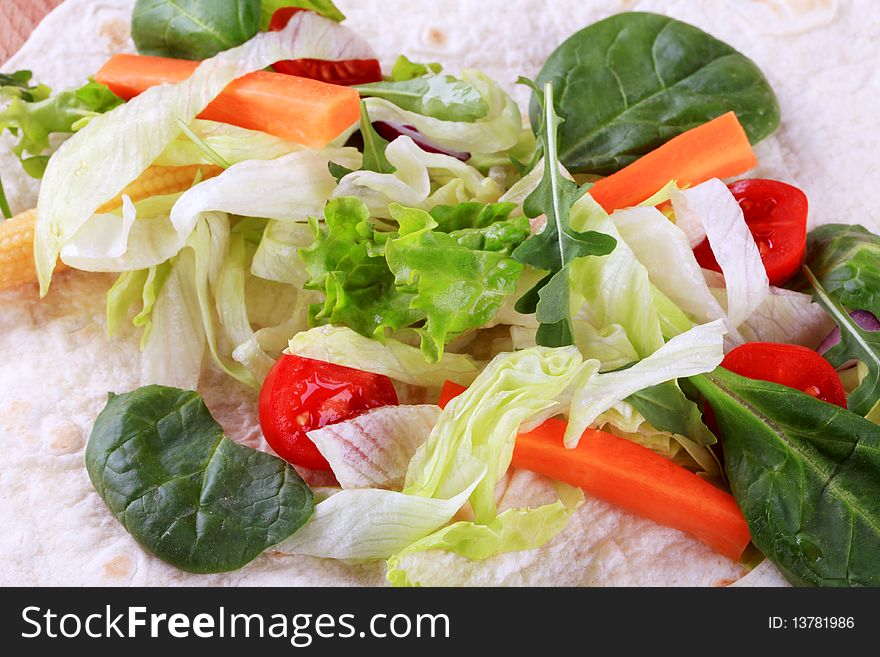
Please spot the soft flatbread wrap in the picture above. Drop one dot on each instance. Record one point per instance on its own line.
(57, 363)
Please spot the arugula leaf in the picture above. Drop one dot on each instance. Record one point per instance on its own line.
(438, 283)
(33, 121)
(806, 475)
(325, 8)
(338, 171)
(631, 82)
(439, 96)
(374, 146)
(460, 279)
(18, 85)
(555, 247)
(667, 408)
(855, 342)
(846, 261)
(183, 490)
(193, 29)
(404, 69)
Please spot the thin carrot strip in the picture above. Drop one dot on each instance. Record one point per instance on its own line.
(717, 149)
(634, 478)
(308, 112)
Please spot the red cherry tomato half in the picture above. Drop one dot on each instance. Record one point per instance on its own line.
(345, 72)
(301, 394)
(789, 365)
(776, 214)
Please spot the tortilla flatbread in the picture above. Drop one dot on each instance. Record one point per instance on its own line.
(56, 363)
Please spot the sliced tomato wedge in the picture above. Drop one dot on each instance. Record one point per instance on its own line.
(302, 394)
(346, 72)
(788, 365)
(776, 214)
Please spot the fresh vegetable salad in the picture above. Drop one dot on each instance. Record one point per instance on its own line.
(430, 286)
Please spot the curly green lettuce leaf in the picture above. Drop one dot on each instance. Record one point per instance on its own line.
(558, 244)
(440, 284)
(18, 85)
(347, 264)
(459, 279)
(32, 115)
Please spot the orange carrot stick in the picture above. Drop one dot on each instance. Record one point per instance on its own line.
(717, 149)
(634, 478)
(305, 111)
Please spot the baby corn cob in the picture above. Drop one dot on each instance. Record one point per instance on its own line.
(17, 234)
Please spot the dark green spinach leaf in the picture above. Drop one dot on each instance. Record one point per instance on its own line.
(555, 247)
(667, 408)
(846, 261)
(631, 82)
(855, 342)
(440, 96)
(193, 29)
(806, 475)
(183, 490)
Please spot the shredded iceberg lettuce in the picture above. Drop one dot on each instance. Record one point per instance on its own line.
(499, 130)
(96, 164)
(712, 205)
(420, 180)
(696, 351)
(232, 143)
(394, 359)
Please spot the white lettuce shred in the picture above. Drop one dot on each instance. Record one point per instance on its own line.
(712, 205)
(420, 180)
(232, 143)
(394, 359)
(498, 131)
(96, 163)
(699, 350)
(468, 450)
(373, 450)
